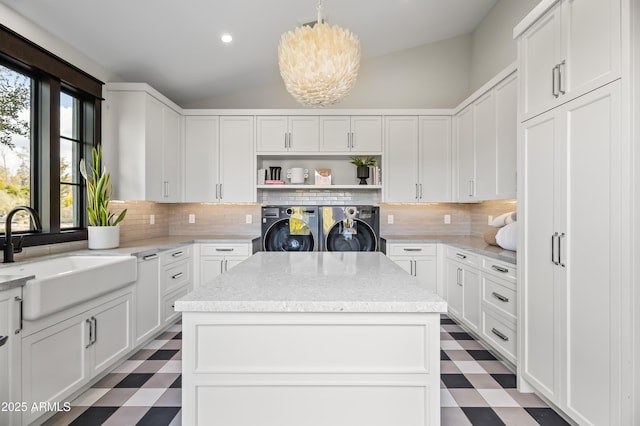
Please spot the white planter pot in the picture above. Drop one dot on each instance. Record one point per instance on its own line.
(104, 237)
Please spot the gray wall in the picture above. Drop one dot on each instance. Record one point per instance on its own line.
(435, 75)
(492, 43)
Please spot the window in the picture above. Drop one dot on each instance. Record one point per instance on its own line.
(16, 101)
(76, 115)
(49, 120)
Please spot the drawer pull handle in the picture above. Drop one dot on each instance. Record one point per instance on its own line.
(3, 340)
(177, 254)
(461, 256)
(500, 335)
(412, 249)
(500, 297)
(150, 256)
(176, 276)
(224, 249)
(499, 269)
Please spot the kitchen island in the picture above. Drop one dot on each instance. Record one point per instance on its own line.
(311, 339)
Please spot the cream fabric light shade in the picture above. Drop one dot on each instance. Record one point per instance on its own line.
(319, 64)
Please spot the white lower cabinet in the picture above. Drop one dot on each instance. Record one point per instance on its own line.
(176, 267)
(499, 307)
(420, 260)
(10, 362)
(463, 279)
(148, 295)
(61, 358)
(481, 294)
(216, 259)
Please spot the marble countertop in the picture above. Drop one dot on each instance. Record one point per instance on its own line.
(465, 242)
(7, 282)
(144, 247)
(313, 282)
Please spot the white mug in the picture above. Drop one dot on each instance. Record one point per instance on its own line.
(297, 174)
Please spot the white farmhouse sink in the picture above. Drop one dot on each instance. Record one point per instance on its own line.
(62, 282)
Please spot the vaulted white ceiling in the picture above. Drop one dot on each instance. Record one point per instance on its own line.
(175, 45)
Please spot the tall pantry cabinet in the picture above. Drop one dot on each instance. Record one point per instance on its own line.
(571, 175)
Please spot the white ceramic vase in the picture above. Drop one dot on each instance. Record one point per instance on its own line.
(104, 237)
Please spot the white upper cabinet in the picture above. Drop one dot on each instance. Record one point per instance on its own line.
(486, 141)
(351, 134)
(463, 125)
(147, 133)
(202, 158)
(418, 159)
(287, 134)
(571, 50)
(219, 164)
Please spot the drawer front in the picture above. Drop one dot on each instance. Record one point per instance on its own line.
(175, 255)
(499, 294)
(225, 250)
(463, 256)
(176, 275)
(411, 249)
(503, 270)
(168, 311)
(500, 335)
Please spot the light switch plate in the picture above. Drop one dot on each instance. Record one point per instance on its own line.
(192, 218)
(248, 219)
(489, 220)
(152, 219)
(447, 219)
(390, 219)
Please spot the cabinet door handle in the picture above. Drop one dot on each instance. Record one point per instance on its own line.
(421, 191)
(560, 262)
(290, 140)
(411, 267)
(348, 140)
(226, 265)
(176, 276)
(412, 249)
(3, 340)
(150, 256)
(499, 269)
(500, 297)
(554, 81)
(18, 300)
(88, 321)
(555, 239)
(286, 140)
(353, 140)
(459, 280)
(561, 66)
(461, 256)
(177, 254)
(224, 249)
(221, 191)
(217, 196)
(499, 334)
(222, 266)
(95, 329)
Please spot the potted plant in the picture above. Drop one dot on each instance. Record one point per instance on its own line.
(363, 165)
(103, 229)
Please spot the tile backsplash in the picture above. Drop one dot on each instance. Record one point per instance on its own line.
(230, 219)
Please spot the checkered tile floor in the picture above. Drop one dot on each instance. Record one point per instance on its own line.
(476, 389)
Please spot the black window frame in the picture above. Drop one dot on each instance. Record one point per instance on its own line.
(52, 76)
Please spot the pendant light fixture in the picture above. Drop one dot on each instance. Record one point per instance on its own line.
(319, 64)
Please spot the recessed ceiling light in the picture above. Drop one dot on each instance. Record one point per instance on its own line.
(226, 38)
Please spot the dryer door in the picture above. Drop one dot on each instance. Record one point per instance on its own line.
(279, 238)
(351, 236)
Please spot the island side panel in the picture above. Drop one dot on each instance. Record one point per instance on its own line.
(290, 369)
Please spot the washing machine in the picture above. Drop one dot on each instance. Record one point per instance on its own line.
(290, 228)
(349, 228)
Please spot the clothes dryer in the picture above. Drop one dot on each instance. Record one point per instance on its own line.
(290, 228)
(350, 228)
